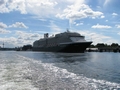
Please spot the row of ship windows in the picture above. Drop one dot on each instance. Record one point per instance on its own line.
(49, 45)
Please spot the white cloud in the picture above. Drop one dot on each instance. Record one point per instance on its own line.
(2, 28)
(35, 35)
(18, 25)
(118, 26)
(7, 6)
(2, 25)
(78, 24)
(101, 26)
(8, 42)
(12, 42)
(78, 12)
(41, 8)
(114, 14)
(21, 38)
(118, 33)
(25, 35)
(37, 7)
(97, 37)
(106, 20)
(3, 31)
(93, 17)
(102, 16)
(74, 9)
(2, 2)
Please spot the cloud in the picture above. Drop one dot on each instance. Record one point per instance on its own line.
(18, 25)
(35, 35)
(41, 8)
(100, 38)
(50, 7)
(118, 26)
(7, 6)
(102, 16)
(78, 12)
(3, 31)
(9, 42)
(106, 20)
(2, 28)
(28, 6)
(78, 24)
(12, 42)
(2, 25)
(97, 37)
(2, 2)
(70, 9)
(118, 33)
(25, 35)
(114, 14)
(101, 26)
(21, 38)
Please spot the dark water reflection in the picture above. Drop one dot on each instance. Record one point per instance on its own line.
(103, 66)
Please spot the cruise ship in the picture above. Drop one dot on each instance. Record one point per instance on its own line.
(66, 42)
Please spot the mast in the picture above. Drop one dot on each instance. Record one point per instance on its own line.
(3, 44)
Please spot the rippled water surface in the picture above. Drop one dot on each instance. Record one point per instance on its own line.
(59, 71)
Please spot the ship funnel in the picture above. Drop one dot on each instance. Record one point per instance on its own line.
(68, 30)
(46, 35)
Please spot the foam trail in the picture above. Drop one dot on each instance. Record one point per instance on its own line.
(12, 71)
(46, 76)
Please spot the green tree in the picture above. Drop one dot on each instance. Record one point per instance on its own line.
(100, 45)
(114, 45)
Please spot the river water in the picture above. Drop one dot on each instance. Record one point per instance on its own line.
(59, 71)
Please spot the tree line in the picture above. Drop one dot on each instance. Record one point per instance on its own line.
(24, 48)
(113, 45)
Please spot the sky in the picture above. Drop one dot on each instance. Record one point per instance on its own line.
(24, 21)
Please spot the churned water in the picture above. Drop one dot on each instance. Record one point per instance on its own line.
(59, 71)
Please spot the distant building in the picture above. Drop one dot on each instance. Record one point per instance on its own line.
(92, 49)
